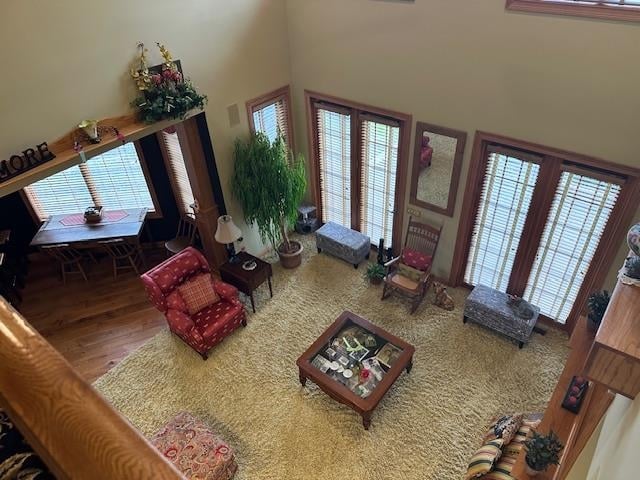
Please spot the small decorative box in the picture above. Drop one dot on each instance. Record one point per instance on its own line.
(93, 214)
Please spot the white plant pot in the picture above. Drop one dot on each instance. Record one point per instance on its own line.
(622, 276)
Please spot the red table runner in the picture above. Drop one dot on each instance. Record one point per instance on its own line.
(78, 218)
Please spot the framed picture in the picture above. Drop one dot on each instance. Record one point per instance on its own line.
(388, 354)
(321, 363)
(437, 161)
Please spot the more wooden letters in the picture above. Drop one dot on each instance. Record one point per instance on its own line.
(29, 159)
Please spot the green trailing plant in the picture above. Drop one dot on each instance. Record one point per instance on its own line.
(375, 272)
(632, 267)
(269, 182)
(598, 302)
(543, 451)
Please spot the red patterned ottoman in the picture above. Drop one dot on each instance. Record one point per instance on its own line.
(195, 450)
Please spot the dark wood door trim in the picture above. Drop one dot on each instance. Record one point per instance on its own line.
(405, 122)
(477, 167)
(554, 162)
(534, 225)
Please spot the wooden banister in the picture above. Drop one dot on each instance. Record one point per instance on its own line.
(73, 429)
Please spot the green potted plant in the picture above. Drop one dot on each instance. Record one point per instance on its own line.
(375, 273)
(269, 182)
(598, 302)
(542, 451)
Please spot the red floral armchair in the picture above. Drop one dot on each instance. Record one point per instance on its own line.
(207, 327)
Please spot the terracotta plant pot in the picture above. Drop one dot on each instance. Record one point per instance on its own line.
(375, 281)
(530, 471)
(291, 259)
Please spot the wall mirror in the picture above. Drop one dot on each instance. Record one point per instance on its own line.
(437, 161)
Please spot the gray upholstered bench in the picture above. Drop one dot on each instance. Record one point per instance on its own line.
(489, 307)
(342, 242)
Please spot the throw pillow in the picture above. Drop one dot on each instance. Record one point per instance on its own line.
(502, 469)
(482, 461)
(507, 427)
(409, 272)
(198, 293)
(517, 442)
(416, 259)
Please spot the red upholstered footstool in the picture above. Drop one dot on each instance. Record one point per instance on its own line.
(195, 450)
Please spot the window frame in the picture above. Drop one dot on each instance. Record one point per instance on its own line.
(558, 7)
(616, 227)
(157, 214)
(406, 123)
(269, 99)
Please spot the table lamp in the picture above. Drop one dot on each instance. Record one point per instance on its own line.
(227, 233)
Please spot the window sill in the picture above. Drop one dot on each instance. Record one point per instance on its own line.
(603, 12)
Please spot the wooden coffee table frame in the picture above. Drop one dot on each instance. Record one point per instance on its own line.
(339, 392)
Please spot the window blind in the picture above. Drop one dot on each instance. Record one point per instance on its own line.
(505, 199)
(273, 118)
(334, 154)
(113, 180)
(579, 214)
(61, 193)
(118, 179)
(379, 163)
(177, 171)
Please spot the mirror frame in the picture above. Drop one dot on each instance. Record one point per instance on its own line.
(461, 138)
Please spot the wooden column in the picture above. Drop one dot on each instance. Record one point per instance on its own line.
(198, 172)
(574, 430)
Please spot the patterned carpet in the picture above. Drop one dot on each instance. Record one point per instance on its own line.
(426, 427)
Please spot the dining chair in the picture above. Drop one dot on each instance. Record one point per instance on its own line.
(185, 235)
(124, 255)
(70, 259)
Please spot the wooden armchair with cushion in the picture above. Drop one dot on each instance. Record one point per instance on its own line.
(410, 273)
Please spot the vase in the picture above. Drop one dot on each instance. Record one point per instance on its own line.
(90, 127)
(633, 239)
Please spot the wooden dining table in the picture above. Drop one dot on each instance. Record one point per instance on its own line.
(71, 229)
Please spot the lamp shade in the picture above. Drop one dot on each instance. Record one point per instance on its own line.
(227, 232)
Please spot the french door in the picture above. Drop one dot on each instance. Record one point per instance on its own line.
(358, 158)
(537, 226)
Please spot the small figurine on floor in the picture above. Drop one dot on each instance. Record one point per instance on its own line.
(442, 299)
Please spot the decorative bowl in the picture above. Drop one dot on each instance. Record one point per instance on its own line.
(633, 239)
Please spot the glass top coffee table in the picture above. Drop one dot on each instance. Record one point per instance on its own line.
(355, 363)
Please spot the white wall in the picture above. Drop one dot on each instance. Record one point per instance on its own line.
(565, 82)
(67, 60)
(615, 455)
(560, 81)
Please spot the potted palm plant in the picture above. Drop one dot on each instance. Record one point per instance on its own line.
(542, 451)
(269, 182)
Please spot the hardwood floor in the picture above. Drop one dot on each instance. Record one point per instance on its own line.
(96, 324)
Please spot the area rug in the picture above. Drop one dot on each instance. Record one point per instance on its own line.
(426, 427)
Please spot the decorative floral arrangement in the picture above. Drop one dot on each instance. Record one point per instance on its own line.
(164, 95)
